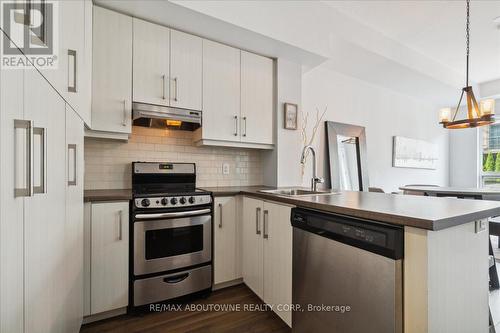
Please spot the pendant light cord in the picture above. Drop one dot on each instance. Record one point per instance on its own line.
(467, 34)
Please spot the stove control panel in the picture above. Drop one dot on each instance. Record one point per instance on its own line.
(172, 201)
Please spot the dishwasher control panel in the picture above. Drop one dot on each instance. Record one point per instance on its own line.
(369, 236)
(374, 236)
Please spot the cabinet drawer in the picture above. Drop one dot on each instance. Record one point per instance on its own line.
(159, 288)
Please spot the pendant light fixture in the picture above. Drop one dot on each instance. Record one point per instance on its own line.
(477, 115)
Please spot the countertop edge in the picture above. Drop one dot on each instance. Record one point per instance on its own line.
(253, 191)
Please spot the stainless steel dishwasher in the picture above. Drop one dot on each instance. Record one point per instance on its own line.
(347, 274)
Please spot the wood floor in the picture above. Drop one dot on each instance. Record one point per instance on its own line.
(200, 321)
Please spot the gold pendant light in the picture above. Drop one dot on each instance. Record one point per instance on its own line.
(477, 115)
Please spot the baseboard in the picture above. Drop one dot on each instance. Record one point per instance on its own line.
(104, 315)
(227, 284)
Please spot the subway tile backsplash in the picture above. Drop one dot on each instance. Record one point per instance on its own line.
(108, 163)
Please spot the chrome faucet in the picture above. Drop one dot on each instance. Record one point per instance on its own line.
(315, 180)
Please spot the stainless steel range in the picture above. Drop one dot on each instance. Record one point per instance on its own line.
(171, 243)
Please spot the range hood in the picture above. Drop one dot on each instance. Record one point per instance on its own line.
(150, 115)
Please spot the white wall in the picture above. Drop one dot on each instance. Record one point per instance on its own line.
(279, 165)
(384, 113)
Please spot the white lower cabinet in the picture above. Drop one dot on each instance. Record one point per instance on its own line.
(267, 253)
(226, 240)
(107, 248)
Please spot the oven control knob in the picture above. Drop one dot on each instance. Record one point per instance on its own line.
(191, 200)
(164, 201)
(183, 200)
(145, 202)
(173, 201)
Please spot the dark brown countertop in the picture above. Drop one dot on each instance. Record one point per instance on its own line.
(417, 211)
(226, 191)
(486, 193)
(106, 195)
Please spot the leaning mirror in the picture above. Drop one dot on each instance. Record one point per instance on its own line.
(346, 148)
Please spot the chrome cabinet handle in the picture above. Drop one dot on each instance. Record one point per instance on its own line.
(72, 85)
(245, 126)
(257, 221)
(235, 125)
(163, 86)
(175, 89)
(72, 147)
(266, 222)
(120, 227)
(27, 190)
(43, 160)
(220, 215)
(124, 123)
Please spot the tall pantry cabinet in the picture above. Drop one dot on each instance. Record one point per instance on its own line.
(41, 206)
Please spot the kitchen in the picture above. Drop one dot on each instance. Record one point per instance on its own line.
(200, 165)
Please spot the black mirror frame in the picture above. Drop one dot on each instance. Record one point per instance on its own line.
(333, 129)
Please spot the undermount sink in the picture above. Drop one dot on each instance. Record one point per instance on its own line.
(295, 192)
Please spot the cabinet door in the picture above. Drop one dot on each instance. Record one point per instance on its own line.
(46, 293)
(85, 109)
(225, 228)
(111, 71)
(252, 245)
(109, 256)
(151, 63)
(185, 70)
(277, 232)
(12, 153)
(74, 219)
(71, 58)
(221, 92)
(256, 98)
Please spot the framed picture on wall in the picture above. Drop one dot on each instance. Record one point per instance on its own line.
(291, 114)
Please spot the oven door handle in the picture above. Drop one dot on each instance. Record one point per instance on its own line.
(173, 214)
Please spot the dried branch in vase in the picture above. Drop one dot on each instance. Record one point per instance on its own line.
(306, 141)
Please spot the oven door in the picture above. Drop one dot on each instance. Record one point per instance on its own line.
(167, 241)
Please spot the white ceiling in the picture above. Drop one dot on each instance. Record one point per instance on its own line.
(436, 29)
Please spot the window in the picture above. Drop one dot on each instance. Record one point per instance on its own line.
(490, 173)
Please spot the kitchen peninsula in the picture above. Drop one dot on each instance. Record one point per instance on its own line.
(445, 266)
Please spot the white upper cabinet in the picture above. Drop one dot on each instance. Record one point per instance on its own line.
(151, 63)
(72, 76)
(71, 57)
(221, 92)
(237, 98)
(185, 70)
(256, 98)
(111, 71)
(85, 91)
